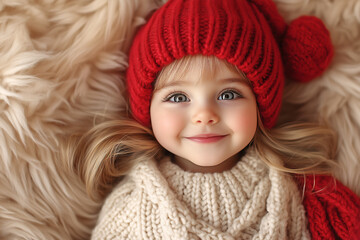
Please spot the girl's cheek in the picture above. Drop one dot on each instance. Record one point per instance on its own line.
(167, 123)
(244, 120)
(173, 121)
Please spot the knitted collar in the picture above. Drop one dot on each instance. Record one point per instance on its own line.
(249, 201)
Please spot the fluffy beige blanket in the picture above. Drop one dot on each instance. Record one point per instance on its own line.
(62, 68)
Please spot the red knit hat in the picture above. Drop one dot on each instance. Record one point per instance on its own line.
(248, 34)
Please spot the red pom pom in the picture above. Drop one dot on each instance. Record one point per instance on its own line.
(307, 49)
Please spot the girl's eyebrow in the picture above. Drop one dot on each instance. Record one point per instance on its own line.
(168, 84)
(175, 83)
(179, 82)
(236, 80)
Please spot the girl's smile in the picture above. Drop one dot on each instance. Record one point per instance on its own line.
(207, 138)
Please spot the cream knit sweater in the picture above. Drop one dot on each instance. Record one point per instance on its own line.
(161, 201)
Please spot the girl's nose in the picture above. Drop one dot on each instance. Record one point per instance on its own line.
(205, 116)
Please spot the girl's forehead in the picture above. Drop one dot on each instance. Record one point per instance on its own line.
(197, 67)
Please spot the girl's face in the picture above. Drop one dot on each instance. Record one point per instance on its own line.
(206, 116)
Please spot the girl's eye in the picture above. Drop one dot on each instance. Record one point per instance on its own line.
(229, 95)
(177, 98)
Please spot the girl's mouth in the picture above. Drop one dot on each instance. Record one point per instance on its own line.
(206, 138)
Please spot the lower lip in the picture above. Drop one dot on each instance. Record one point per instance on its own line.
(206, 139)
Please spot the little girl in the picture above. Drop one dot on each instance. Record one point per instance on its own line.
(202, 159)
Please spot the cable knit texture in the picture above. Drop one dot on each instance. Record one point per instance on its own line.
(164, 202)
(247, 34)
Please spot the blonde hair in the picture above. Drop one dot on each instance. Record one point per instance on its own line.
(206, 66)
(300, 148)
(108, 151)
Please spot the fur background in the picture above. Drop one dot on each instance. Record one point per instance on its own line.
(62, 68)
